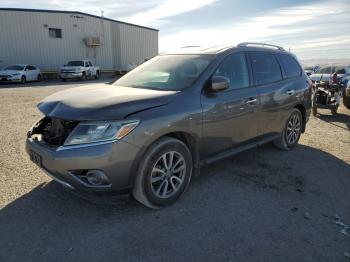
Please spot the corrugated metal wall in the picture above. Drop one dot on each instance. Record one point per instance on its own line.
(24, 38)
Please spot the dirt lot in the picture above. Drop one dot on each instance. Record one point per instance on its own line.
(261, 205)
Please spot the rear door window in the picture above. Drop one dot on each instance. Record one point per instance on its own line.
(234, 67)
(265, 68)
(290, 65)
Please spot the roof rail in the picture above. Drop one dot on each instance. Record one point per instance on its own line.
(260, 44)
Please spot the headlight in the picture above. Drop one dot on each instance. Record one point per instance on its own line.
(15, 74)
(78, 70)
(100, 131)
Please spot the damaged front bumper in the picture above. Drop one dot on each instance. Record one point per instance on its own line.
(68, 165)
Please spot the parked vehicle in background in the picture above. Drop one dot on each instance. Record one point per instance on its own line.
(346, 93)
(153, 128)
(80, 69)
(20, 73)
(325, 73)
(309, 70)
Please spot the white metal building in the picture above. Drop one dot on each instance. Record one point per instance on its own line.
(49, 39)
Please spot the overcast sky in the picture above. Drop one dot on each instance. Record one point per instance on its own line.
(312, 29)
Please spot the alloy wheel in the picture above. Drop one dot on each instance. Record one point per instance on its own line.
(168, 174)
(293, 129)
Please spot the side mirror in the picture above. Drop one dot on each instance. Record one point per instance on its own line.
(219, 83)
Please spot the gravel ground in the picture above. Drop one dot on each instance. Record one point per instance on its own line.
(261, 205)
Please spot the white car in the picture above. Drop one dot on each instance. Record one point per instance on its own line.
(20, 73)
(80, 69)
(325, 73)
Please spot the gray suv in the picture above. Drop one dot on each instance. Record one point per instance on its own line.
(150, 131)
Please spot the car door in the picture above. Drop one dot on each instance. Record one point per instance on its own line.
(34, 72)
(228, 116)
(276, 93)
(92, 69)
(26, 73)
(31, 73)
(88, 68)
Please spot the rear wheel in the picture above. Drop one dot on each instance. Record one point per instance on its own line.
(97, 75)
(23, 80)
(291, 132)
(164, 173)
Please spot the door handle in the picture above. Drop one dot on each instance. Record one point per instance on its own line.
(290, 92)
(251, 101)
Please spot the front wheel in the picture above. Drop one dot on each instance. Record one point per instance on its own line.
(83, 76)
(164, 173)
(314, 110)
(39, 78)
(291, 132)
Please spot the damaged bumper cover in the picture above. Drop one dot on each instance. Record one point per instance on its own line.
(68, 165)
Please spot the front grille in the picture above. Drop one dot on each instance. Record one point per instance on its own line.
(52, 131)
(4, 76)
(67, 71)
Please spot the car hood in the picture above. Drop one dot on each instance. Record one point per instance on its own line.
(9, 72)
(102, 102)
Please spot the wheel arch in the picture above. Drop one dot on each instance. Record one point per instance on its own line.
(188, 139)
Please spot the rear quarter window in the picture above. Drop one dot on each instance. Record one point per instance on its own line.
(266, 68)
(290, 66)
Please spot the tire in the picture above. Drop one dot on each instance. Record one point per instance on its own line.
(23, 80)
(167, 186)
(83, 76)
(346, 101)
(334, 111)
(314, 110)
(288, 141)
(39, 78)
(97, 76)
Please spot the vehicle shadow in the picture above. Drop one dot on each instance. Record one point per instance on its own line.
(337, 120)
(235, 206)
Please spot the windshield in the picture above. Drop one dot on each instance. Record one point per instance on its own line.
(75, 63)
(167, 72)
(15, 67)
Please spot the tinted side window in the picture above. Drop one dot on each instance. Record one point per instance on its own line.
(325, 70)
(340, 71)
(234, 67)
(265, 68)
(290, 65)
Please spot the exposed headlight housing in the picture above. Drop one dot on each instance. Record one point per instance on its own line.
(100, 131)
